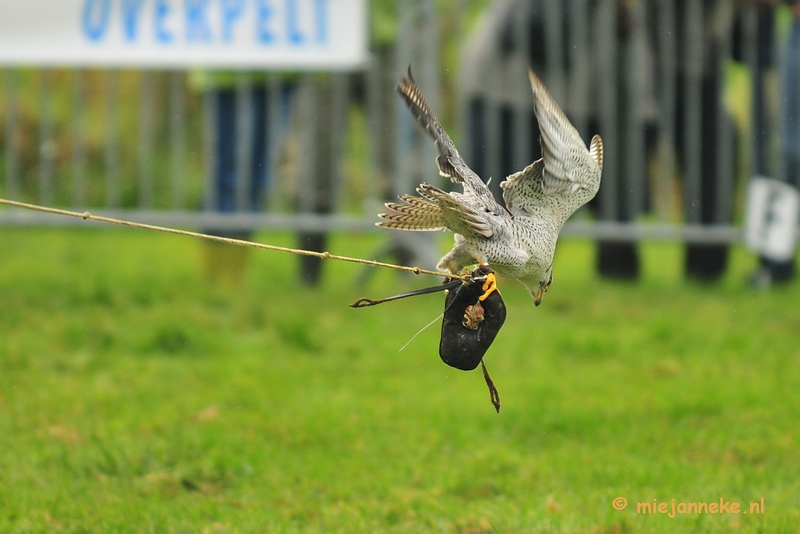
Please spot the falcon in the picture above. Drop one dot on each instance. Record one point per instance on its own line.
(517, 240)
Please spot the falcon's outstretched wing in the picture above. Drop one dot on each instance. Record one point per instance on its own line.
(473, 213)
(567, 175)
(568, 165)
(449, 161)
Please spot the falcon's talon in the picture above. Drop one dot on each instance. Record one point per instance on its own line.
(489, 287)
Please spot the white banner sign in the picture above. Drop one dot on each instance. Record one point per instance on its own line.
(259, 34)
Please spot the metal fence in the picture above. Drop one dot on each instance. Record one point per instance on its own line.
(661, 81)
(146, 145)
(658, 79)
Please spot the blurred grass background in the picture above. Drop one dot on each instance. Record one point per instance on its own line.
(135, 397)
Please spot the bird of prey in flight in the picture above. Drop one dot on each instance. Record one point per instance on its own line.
(516, 240)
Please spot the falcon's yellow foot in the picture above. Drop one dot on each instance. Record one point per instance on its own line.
(489, 286)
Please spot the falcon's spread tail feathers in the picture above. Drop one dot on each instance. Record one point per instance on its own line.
(596, 150)
(418, 214)
(435, 209)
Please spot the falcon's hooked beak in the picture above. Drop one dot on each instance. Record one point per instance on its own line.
(538, 295)
(538, 291)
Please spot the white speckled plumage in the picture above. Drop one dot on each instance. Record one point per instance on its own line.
(518, 241)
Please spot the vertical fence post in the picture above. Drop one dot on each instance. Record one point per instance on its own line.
(430, 83)
(634, 175)
(46, 142)
(553, 19)
(693, 109)
(758, 163)
(492, 126)
(307, 152)
(317, 166)
(47, 146)
(210, 111)
(177, 138)
(111, 155)
(12, 180)
(791, 82)
(609, 107)
(275, 125)
(404, 126)
(580, 63)
(376, 112)
(338, 133)
(666, 93)
(244, 141)
(146, 120)
(523, 140)
(724, 147)
(78, 149)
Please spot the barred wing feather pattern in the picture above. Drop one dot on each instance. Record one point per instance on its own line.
(517, 240)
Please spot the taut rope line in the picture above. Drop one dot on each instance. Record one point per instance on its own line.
(239, 242)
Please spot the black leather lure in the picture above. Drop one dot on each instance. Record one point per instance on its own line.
(474, 312)
(470, 325)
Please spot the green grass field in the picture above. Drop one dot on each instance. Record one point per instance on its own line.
(136, 397)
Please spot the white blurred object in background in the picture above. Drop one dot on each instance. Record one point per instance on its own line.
(771, 218)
